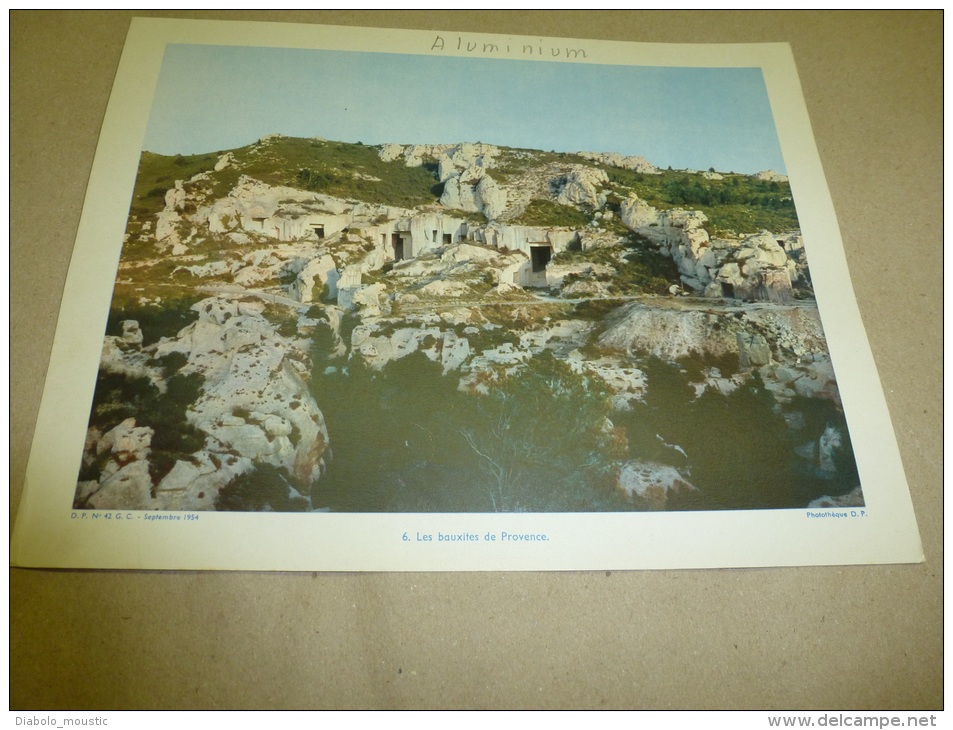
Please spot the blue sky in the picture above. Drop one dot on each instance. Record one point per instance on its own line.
(219, 97)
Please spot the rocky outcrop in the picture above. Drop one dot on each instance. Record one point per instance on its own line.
(169, 219)
(452, 159)
(373, 284)
(770, 176)
(254, 408)
(317, 275)
(277, 212)
(390, 152)
(124, 481)
(656, 484)
(637, 214)
(667, 334)
(556, 274)
(254, 399)
(580, 187)
(757, 267)
(474, 191)
(626, 162)
(456, 160)
(225, 161)
(523, 238)
(626, 383)
(785, 346)
(123, 356)
(854, 498)
(378, 350)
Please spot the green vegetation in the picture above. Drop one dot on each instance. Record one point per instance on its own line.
(172, 363)
(737, 448)
(543, 438)
(264, 486)
(524, 317)
(344, 170)
(340, 169)
(512, 162)
(155, 321)
(640, 269)
(158, 173)
(413, 442)
(548, 213)
(595, 310)
(738, 203)
(284, 319)
(541, 443)
(118, 397)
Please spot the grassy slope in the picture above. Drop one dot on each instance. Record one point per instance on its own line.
(736, 203)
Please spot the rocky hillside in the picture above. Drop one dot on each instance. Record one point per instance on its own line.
(303, 324)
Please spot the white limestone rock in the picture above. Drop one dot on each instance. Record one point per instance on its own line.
(211, 269)
(627, 383)
(124, 481)
(828, 446)
(369, 299)
(127, 441)
(686, 220)
(377, 350)
(561, 337)
(454, 352)
(390, 152)
(585, 289)
(626, 162)
(770, 176)
(753, 349)
(445, 289)
(128, 488)
(491, 198)
(818, 380)
(459, 192)
(321, 269)
(654, 483)
(124, 356)
(225, 161)
(167, 222)
(194, 485)
(715, 381)
(523, 238)
(668, 334)
(466, 252)
(476, 192)
(251, 378)
(131, 332)
(556, 273)
(636, 213)
(455, 160)
(579, 187)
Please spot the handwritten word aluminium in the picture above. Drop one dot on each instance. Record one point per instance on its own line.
(505, 49)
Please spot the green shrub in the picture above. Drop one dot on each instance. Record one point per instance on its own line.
(118, 397)
(541, 212)
(173, 362)
(264, 486)
(155, 321)
(738, 203)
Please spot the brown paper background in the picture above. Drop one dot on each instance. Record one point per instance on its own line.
(821, 638)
